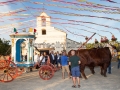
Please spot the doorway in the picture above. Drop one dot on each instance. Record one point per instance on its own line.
(42, 51)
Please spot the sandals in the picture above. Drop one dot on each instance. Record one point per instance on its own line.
(74, 86)
(78, 86)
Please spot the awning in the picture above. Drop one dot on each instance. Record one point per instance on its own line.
(46, 48)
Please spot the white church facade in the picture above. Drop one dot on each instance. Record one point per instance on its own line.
(50, 38)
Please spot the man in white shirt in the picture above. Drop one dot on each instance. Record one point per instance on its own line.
(36, 60)
(35, 57)
(42, 59)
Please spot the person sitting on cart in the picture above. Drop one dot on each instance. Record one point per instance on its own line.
(42, 59)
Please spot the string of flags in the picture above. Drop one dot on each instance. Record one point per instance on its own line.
(65, 13)
(111, 1)
(23, 23)
(10, 13)
(78, 9)
(73, 14)
(31, 30)
(88, 4)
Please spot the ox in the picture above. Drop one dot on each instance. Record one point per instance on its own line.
(92, 58)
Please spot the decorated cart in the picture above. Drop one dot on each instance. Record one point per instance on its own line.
(22, 59)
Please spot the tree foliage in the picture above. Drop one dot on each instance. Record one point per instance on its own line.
(5, 48)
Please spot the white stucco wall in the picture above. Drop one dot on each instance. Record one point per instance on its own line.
(52, 36)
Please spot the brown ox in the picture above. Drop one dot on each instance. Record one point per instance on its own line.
(94, 57)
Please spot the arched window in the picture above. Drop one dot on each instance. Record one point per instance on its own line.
(43, 32)
(43, 21)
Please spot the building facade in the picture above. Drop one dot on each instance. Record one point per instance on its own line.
(50, 38)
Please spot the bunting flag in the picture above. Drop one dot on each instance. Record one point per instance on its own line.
(35, 31)
(78, 9)
(10, 13)
(70, 14)
(111, 1)
(12, 2)
(73, 33)
(79, 29)
(24, 30)
(77, 23)
(73, 14)
(106, 31)
(55, 12)
(15, 31)
(81, 0)
(30, 29)
(88, 5)
(18, 24)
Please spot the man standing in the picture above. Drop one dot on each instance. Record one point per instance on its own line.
(58, 59)
(74, 61)
(114, 53)
(64, 63)
(52, 58)
(35, 60)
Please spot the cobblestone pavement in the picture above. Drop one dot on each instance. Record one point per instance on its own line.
(31, 81)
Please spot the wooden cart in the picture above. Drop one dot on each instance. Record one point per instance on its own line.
(9, 71)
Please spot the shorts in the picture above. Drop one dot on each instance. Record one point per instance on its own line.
(75, 71)
(65, 68)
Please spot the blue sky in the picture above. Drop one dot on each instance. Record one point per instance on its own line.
(5, 32)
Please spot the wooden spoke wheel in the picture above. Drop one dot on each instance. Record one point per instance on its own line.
(8, 71)
(46, 72)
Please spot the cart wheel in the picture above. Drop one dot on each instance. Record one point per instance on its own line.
(46, 72)
(8, 72)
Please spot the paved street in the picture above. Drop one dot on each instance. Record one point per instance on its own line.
(31, 81)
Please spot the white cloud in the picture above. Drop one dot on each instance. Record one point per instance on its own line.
(5, 32)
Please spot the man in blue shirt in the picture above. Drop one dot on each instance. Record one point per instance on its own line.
(64, 63)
